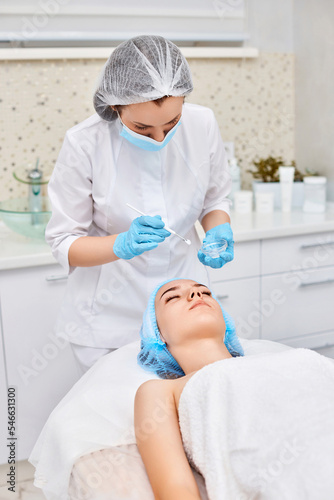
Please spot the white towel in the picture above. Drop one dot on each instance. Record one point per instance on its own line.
(262, 426)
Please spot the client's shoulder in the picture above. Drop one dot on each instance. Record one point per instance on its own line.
(152, 395)
(155, 387)
(164, 385)
(162, 392)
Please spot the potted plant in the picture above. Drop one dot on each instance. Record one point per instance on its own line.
(266, 178)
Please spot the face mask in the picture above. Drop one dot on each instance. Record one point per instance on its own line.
(144, 142)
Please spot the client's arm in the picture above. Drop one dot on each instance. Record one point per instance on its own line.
(160, 443)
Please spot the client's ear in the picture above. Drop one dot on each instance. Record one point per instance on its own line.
(162, 338)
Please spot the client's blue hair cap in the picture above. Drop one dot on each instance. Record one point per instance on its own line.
(154, 355)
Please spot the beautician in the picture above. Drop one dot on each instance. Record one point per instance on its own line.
(146, 147)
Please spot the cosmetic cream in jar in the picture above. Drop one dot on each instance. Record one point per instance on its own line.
(314, 194)
(264, 202)
(243, 202)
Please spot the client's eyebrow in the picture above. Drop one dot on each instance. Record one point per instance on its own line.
(144, 125)
(178, 286)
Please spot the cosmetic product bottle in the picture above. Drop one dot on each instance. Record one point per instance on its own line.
(235, 177)
(286, 176)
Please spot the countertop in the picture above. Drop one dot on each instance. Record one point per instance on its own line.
(17, 251)
(256, 226)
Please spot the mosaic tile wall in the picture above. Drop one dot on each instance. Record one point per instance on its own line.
(253, 100)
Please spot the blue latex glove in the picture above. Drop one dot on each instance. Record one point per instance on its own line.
(145, 233)
(215, 235)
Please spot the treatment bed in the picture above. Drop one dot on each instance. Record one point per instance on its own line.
(87, 448)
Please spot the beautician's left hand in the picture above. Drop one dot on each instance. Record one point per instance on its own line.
(215, 235)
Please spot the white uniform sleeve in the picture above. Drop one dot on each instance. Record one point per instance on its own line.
(220, 179)
(70, 193)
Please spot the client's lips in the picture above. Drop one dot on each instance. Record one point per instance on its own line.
(199, 303)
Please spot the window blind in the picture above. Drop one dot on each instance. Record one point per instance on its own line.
(67, 22)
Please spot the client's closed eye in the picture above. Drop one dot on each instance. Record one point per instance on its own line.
(171, 297)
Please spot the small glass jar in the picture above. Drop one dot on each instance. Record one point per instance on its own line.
(214, 250)
(314, 194)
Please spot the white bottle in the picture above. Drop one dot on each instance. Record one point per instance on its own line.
(235, 177)
(286, 175)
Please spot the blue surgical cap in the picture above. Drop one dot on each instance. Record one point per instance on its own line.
(154, 355)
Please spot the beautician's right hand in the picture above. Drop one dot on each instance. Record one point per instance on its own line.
(145, 233)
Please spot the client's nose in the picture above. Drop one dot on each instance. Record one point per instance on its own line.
(196, 293)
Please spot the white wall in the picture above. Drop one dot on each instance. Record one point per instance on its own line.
(270, 25)
(314, 49)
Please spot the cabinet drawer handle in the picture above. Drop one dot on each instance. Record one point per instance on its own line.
(313, 245)
(311, 283)
(222, 297)
(56, 278)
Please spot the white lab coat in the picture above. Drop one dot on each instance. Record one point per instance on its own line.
(96, 174)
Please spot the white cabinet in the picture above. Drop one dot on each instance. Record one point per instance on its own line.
(237, 286)
(240, 298)
(281, 289)
(40, 366)
(301, 270)
(304, 306)
(295, 253)
(246, 263)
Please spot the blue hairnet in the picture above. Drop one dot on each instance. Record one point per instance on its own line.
(154, 355)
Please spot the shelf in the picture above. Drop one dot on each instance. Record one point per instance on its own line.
(104, 53)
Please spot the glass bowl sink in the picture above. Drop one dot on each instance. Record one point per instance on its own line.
(17, 215)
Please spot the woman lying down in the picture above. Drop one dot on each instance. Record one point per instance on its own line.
(257, 427)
